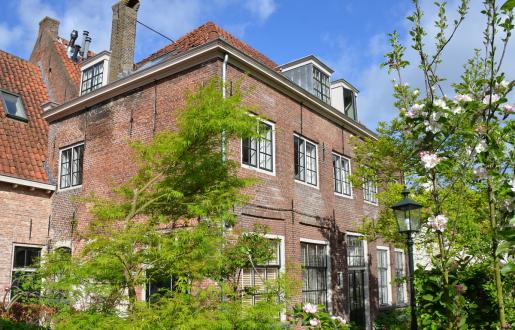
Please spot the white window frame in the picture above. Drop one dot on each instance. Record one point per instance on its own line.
(59, 166)
(405, 284)
(31, 270)
(367, 278)
(388, 274)
(316, 161)
(377, 191)
(257, 168)
(351, 196)
(104, 58)
(328, 262)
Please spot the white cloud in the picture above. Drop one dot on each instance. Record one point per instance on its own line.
(261, 8)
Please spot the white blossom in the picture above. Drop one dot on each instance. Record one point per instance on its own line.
(513, 184)
(432, 126)
(480, 172)
(463, 98)
(427, 186)
(457, 110)
(430, 160)
(309, 308)
(441, 104)
(480, 147)
(411, 113)
(504, 84)
(416, 92)
(509, 108)
(437, 223)
(494, 98)
(339, 318)
(314, 322)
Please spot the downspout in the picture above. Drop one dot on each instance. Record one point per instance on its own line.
(224, 78)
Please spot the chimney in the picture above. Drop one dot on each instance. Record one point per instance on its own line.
(123, 38)
(49, 25)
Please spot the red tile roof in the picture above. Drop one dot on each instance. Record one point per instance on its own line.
(72, 67)
(23, 145)
(203, 34)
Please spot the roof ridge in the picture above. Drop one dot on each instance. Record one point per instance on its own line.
(201, 35)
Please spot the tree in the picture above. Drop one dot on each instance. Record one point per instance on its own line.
(456, 153)
(167, 221)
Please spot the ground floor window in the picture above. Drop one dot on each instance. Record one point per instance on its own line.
(314, 273)
(383, 275)
(25, 262)
(400, 276)
(253, 280)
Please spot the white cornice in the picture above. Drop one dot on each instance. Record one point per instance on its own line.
(198, 55)
(27, 183)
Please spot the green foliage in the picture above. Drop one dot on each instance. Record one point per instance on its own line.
(13, 325)
(394, 319)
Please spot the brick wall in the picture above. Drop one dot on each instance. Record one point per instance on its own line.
(291, 209)
(20, 207)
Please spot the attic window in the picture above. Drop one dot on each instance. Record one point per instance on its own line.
(92, 78)
(13, 106)
(321, 85)
(349, 101)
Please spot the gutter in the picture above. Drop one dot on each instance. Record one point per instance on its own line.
(27, 183)
(196, 56)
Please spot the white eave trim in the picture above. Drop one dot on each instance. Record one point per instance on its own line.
(198, 55)
(27, 183)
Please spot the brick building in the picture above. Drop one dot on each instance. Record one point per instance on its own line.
(102, 101)
(25, 186)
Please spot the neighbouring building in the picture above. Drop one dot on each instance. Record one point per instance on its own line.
(25, 185)
(100, 102)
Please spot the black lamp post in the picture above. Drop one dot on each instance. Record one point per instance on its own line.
(407, 213)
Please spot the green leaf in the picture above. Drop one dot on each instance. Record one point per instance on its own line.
(508, 5)
(427, 297)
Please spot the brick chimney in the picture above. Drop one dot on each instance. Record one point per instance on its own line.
(48, 25)
(123, 38)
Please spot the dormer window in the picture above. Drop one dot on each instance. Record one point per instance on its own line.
(92, 78)
(349, 103)
(94, 72)
(321, 85)
(311, 74)
(13, 106)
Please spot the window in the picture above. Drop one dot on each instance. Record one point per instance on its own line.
(258, 153)
(341, 175)
(321, 85)
(71, 166)
(13, 106)
(400, 276)
(92, 78)
(253, 279)
(157, 285)
(355, 252)
(305, 160)
(370, 191)
(314, 273)
(25, 261)
(349, 101)
(383, 276)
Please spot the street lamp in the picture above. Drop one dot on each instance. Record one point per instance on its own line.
(407, 212)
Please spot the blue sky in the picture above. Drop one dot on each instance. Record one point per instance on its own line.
(349, 35)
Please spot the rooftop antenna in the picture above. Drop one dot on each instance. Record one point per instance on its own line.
(75, 53)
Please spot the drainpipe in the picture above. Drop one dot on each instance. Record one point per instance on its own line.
(224, 78)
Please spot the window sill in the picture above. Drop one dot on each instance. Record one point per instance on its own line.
(307, 184)
(259, 170)
(344, 196)
(371, 203)
(69, 188)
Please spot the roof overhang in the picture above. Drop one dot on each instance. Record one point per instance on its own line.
(198, 55)
(27, 183)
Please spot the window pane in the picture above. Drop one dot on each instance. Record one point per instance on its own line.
(314, 273)
(77, 162)
(92, 78)
(311, 164)
(65, 168)
(337, 174)
(265, 147)
(299, 158)
(346, 184)
(26, 257)
(13, 105)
